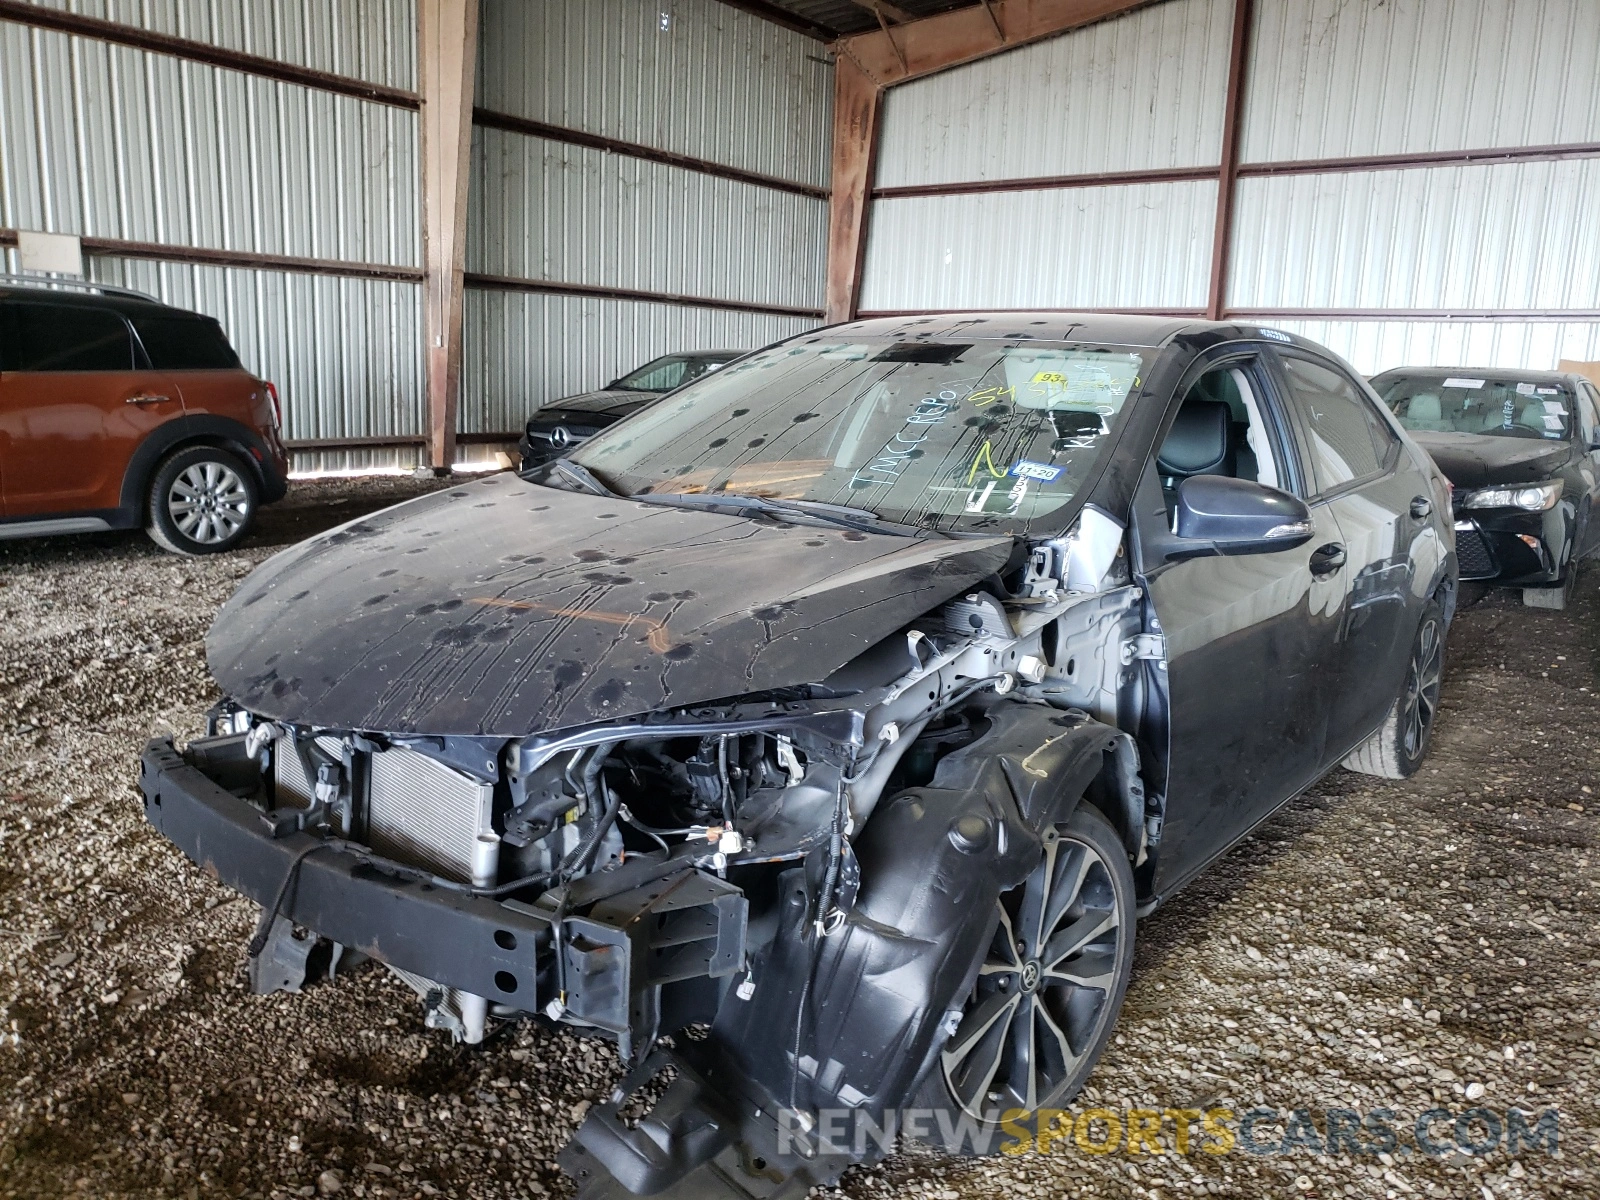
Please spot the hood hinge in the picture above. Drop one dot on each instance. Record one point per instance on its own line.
(1145, 645)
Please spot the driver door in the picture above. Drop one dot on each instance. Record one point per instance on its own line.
(1251, 641)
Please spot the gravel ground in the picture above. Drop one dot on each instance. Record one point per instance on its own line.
(1417, 945)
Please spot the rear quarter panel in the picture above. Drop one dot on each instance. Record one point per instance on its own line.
(236, 395)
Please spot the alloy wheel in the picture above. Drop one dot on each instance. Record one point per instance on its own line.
(1046, 988)
(1422, 686)
(209, 503)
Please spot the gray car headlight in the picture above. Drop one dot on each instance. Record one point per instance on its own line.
(1534, 497)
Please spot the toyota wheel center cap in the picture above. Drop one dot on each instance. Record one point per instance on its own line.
(1030, 974)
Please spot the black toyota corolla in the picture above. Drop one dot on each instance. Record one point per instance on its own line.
(850, 703)
(1523, 451)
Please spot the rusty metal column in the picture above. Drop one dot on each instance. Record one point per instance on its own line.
(447, 56)
(857, 100)
(1228, 176)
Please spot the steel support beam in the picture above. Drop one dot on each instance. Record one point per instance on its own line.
(857, 100)
(1228, 175)
(448, 54)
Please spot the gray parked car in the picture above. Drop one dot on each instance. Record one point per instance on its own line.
(561, 426)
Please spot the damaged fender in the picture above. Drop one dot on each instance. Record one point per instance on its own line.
(856, 1021)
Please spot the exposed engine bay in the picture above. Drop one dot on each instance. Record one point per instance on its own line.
(704, 866)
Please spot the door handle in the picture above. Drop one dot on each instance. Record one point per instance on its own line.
(1421, 508)
(148, 400)
(1327, 559)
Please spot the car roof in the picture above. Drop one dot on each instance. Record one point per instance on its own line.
(127, 305)
(1106, 328)
(1493, 374)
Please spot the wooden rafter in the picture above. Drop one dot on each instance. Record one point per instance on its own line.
(921, 47)
(880, 9)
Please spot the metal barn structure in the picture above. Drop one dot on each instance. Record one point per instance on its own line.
(425, 218)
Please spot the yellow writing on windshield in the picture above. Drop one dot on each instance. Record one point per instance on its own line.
(985, 459)
(987, 396)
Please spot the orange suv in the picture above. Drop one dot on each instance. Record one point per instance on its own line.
(118, 411)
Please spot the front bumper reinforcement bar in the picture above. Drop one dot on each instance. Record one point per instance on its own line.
(623, 933)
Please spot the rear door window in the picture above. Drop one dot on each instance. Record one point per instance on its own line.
(185, 344)
(1346, 440)
(62, 337)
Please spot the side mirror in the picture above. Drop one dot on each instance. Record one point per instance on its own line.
(1218, 515)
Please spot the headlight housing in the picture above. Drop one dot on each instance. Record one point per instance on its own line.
(1532, 497)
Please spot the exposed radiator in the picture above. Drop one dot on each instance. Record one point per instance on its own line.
(291, 783)
(422, 813)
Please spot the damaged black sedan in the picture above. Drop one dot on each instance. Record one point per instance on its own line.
(846, 707)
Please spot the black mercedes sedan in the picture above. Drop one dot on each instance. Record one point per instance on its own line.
(851, 703)
(561, 425)
(1522, 450)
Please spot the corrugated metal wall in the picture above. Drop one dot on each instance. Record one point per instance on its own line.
(1508, 236)
(1142, 92)
(1396, 261)
(107, 141)
(374, 40)
(1373, 346)
(1332, 79)
(696, 78)
(542, 209)
(1135, 246)
(1137, 93)
(527, 349)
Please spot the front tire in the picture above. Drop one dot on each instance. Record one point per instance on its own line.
(202, 501)
(1049, 989)
(1397, 748)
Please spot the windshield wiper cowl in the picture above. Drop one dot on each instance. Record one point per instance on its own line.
(815, 510)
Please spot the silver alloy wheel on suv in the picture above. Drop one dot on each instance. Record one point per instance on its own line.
(202, 500)
(208, 502)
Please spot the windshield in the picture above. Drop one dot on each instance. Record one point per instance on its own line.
(1505, 407)
(670, 371)
(933, 434)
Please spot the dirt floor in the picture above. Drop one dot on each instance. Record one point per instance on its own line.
(1431, 944)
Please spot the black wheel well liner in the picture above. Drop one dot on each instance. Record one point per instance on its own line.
(182, 433)
(933, 862)
(1051, 760)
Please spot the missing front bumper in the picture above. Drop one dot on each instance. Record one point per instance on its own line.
(602, 949)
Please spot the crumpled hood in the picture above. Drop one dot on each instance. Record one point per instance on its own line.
(503, 608)
(1471, 460)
